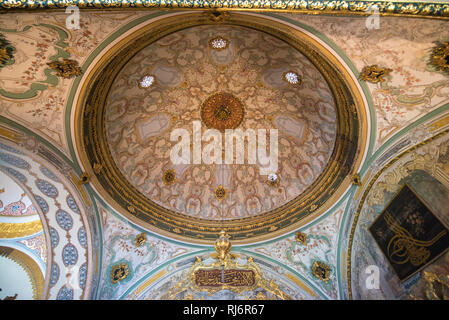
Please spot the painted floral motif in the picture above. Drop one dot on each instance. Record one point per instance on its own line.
(82, 237)
(261, 99)
(16, 174)
(72, 204)
(18, 209)
(42, 203)
(54, 237)
(69, 255)
(49, 174)
(413, 88)
(54, 275)
(82, 275)
(47, 188)
(37, 244)
(66, 68)
(65, 293)
(64, 220)
(13, 160)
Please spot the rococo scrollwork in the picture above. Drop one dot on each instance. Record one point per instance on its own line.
(300, 6)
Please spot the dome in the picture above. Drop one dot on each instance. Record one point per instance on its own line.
(231, 126)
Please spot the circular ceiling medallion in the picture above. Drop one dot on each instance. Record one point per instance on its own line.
(222, 111)
(133, 133)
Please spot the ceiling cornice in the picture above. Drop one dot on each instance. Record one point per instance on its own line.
(363, 8)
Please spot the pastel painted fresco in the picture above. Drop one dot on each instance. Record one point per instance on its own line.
(360, 111)
(139, 121)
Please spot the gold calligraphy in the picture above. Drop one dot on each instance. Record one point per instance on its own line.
(403, 248)
(232, 277)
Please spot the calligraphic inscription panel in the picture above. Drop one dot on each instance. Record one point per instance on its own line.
(232, 278)
(409, 234)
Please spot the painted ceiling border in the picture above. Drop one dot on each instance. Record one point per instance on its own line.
(393, 8)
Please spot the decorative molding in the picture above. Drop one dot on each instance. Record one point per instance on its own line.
(386, 8)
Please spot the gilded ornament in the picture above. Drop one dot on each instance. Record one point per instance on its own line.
(66, 68)
(222, 111)
(169, 177)
(435, 287)
(222, 245)
(321, 271)
(90, 135)
(97, 168)
(6, 52)
(440, 57)
(220, 193)
(131, 209)
(272, 180)
(301, 237)
(374, 73)
(140, 239)
(356, 180)
(217, 16)
(84, 178)
(119, 272)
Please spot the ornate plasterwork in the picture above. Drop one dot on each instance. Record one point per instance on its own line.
(120, 237)
(222, 111)
(208, 231)
(414, 88)
(414, 9)
(440, 57)
(195, 283)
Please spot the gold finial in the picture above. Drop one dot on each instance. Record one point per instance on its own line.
(222, 245)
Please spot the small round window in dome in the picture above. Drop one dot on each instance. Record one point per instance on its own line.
(292, 78)
(219, 43)
(146, 81)
(273, 179)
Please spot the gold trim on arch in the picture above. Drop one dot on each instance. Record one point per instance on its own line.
(347, 156)
(29, 265)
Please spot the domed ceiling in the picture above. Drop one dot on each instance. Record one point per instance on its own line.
(229, 77)
(165, 146)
